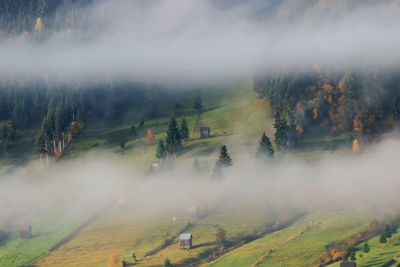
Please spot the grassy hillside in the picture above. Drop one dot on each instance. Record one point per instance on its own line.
(301, 244)
(232, 114)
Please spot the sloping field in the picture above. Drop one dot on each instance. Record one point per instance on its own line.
(301, 244)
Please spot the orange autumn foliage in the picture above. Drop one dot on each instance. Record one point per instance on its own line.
(300, 108)
(336, 254)
(315, 113)
(330, 100)
(56, 153)
(299, 129)
(38, 25)
(149, 135)
(114, 261)
(327, 88)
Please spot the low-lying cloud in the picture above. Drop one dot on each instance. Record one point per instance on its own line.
(191, 41)
(91, 184)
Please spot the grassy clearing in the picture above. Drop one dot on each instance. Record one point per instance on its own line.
(234, 116)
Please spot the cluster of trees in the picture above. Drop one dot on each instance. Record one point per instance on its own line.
(66, 114)
(22, 17)
(59, 110)
(173, 141)
(332, 103)
(387, 232)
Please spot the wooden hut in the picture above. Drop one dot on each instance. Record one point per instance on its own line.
(26, 232)
(348, 264)
(185, 241)
(204, 132)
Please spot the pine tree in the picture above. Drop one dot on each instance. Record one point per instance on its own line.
(353, 255)
(167, 263)
(366, 248)
(173, 140)
(161, 151)
(184, 130)
(281, 134)
(382, 238)
(224, 160)
(265, 147)
(133, 132)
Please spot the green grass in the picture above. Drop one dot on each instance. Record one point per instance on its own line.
(301, 244)
(379, 253)
(48, 228)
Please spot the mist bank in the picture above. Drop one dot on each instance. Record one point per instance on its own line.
(170, 41)
(95, 183)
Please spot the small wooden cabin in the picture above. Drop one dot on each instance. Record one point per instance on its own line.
(185, 241)
(26, 232)
(348, 264)
(204, 132)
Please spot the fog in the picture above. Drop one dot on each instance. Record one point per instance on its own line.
(92, 184)
(197, 41)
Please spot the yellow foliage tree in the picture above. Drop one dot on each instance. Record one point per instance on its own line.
(114, 260)
(39, 25)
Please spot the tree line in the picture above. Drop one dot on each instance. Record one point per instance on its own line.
(362, 103)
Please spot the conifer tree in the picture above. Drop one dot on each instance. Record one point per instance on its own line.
(133, 132)
(366, 248)
(281, 134)
(161, 151)
(184, 130)
(265, 147)
(224, 160)
(173, 140)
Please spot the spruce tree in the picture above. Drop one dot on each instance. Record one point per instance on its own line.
(173, 140)
(281, 134)
(161, 151)
(353, 255)
(265, 147)
(184, 130)
(224, 160)
(366, 248)
(133, 132)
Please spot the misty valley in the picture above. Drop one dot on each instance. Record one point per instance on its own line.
(199, 133)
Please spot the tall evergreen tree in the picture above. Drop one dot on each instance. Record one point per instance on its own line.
(265, 147)
(224, 161)
(161, 151)
(184, 130)
(281, 131)
(173, 140)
